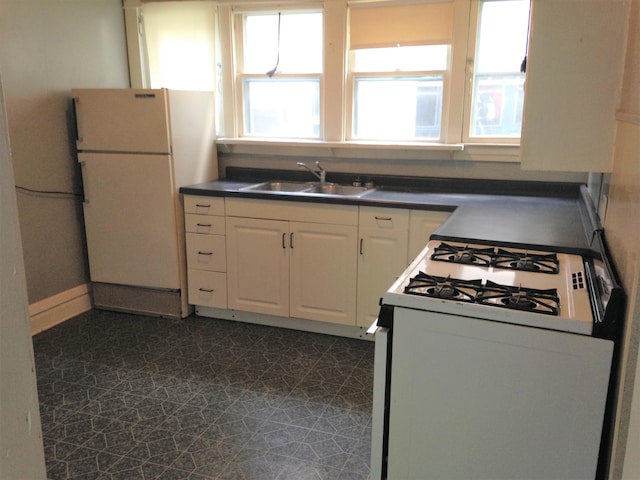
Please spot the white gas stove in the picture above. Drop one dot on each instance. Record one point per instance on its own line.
(494, 362)
(523, 287)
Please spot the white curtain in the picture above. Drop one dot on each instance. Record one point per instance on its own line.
(179, 38)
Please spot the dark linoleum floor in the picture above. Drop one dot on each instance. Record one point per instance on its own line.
(134, 397)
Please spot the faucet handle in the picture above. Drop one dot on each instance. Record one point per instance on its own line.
(319, 166)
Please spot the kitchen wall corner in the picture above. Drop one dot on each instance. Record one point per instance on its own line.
(622, 230)
(46, 49)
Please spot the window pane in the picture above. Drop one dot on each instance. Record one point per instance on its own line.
(282, 108)
(300, 43)
(398, 108)
(498, 84)
(498, 104)
(502, 36)
(416, 58)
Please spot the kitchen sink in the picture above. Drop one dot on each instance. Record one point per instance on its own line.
(311, 188)
(278, 186)
(335, 189)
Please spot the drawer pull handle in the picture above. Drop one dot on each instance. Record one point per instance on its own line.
(388, 219)
(284, 245)
(291, 239)
(205, 253)
(203, 205)
(361, 246)
(204, 224)
(206, 290)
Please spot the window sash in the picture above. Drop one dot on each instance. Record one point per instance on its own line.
(292, 116)
(407, 131)
(504, 99)
(246, 124)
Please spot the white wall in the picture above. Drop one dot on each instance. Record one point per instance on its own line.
(46, 49)
(622, 230)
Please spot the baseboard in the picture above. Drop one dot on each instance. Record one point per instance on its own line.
(54, 310)
(350, 331)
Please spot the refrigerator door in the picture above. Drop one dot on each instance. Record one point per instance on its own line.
(130, 219)
(122, 120)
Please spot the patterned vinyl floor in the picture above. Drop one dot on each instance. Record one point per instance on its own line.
(134, 397)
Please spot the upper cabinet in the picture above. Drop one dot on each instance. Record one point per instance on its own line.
(574, 75)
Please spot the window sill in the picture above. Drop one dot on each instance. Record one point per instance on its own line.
(370, 150)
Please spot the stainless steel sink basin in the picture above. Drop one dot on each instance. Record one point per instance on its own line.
(278, 186)
(311, 188)
(335, 189)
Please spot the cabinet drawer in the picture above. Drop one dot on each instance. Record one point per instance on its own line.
(203, 205)
(386, 218)
(206, 252)
(209, 224)
(208, 289)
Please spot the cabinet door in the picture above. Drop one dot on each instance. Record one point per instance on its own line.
(574, 73)
(323, 272)
(258, 265)
(382, 257)
(422, 224)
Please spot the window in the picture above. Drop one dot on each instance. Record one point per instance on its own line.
(280, 74)
(180, 45)
(498, 84)
(403, 99)
(399, 63)
(421, 71)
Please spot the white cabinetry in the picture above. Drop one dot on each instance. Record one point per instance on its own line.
(574, 72)
(323, 272)
(206, 251)
(292, 259)
(422, 223)
(311, 261)
(258, 259)
(384, 234)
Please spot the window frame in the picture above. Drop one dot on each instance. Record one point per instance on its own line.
(240, 107)
(350, 104)
(472, 45)
(336, 89)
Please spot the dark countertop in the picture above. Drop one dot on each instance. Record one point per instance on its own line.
(560, 220)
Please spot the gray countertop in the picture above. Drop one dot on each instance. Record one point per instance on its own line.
(561, 224)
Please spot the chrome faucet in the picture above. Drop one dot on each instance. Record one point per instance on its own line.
(321, 173)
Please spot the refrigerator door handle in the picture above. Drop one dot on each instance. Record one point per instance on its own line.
(76, 100)
(83, 167)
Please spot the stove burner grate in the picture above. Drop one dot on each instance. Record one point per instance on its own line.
(488, 257)
(445, 288)
(491, 294)
(466, 255)
(530, 262)
(519, 298)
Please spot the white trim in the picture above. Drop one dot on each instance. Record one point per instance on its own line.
(369, 150)
(294, 323)
(54, 310)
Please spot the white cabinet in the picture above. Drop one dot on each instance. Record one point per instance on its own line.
(382, 256)
(323, 272)
(574, 73)
(292, 259)
(324, 262)
(206, 251)
(258, 260)
(422, 223)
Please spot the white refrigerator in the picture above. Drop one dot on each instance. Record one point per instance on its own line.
(136, 148)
